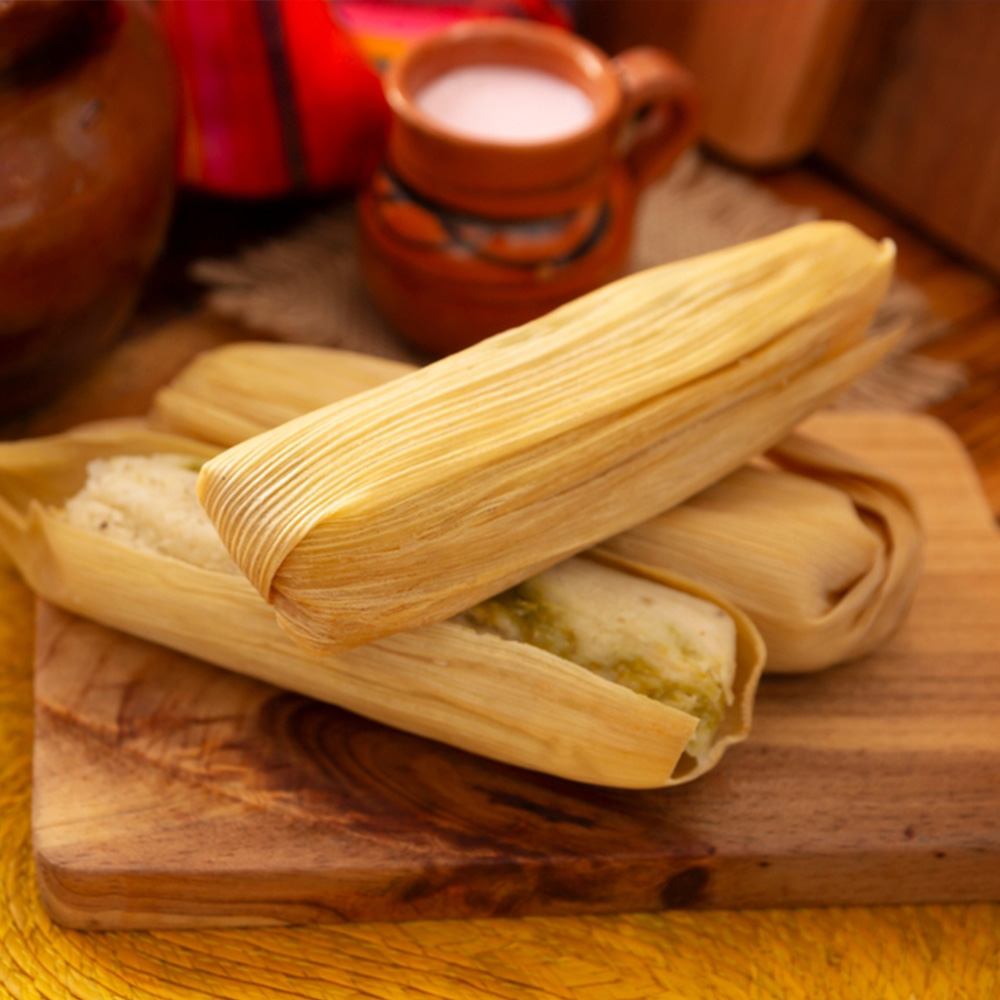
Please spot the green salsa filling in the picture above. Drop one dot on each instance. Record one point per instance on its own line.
(522, 615)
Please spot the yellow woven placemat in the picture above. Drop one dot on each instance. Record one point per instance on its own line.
(306, 287)
(889, 953)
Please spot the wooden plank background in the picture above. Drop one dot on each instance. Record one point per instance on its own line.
(900, 98)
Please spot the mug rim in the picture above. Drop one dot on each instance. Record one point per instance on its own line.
(595, 66)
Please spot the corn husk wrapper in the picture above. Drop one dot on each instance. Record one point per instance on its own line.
(502, 699)
(231, 393)
(413, 500)
(821, 550)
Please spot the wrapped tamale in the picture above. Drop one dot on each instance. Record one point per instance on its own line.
(821, 550)
(411, 501)
(218, 397)
(103, 521)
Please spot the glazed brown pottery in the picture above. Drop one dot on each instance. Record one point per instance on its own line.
(87, 166)
(462, 236)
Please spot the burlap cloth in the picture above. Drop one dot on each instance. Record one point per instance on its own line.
(306, 287)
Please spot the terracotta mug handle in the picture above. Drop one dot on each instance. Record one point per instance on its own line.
(660, 112)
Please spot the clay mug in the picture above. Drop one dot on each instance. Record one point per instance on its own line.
(466, 231)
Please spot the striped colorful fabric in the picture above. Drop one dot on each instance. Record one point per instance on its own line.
(276, 97)
(281, 96)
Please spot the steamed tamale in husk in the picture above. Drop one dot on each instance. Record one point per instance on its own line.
(232, 393)
(821, 550)
(411, 501)
(130, 559)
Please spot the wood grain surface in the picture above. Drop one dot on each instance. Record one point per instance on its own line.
(767, 70)
(169, 793)
(967, 302)
(917, 121)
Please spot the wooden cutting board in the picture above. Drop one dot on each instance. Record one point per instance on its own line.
(170, 793)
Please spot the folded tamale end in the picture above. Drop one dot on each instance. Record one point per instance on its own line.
(875, 606)
(822, 550)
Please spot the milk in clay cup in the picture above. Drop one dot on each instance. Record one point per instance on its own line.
(516, 155)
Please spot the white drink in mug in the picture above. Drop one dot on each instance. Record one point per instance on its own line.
(505, 103)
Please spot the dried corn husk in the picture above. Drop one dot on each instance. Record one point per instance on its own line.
(505, 700)
(824, 557)
(823, 551)
(218, 397)
(413, 500)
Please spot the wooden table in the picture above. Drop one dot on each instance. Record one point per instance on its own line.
(968, 299)
(899, 951)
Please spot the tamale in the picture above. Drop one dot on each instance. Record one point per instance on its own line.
(822, 550)
(502, 698)
(231, 393)
(416, 499)
(217, 396)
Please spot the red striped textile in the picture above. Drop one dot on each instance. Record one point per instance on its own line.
(276, 97)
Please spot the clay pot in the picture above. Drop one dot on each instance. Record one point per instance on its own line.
(87, 164)
(463, 237)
